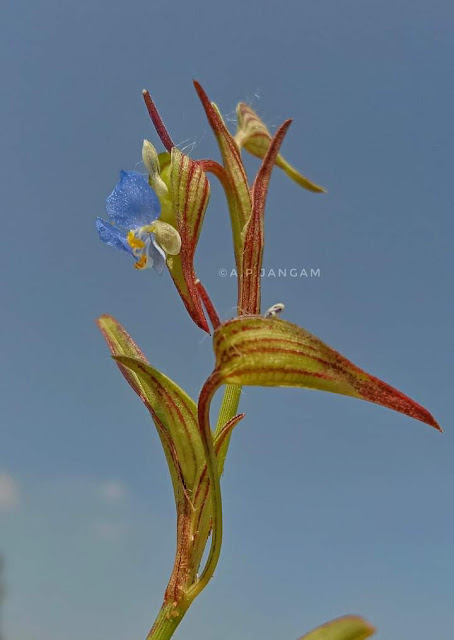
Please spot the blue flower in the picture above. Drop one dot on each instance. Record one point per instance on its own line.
(133, 207)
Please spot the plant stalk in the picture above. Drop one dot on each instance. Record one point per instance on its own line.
(167, 621)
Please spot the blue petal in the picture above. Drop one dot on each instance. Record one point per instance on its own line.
(132, 203)
(157, 256)
(113, 236)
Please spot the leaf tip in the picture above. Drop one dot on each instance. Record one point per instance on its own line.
(379, 392)
(103, 320)
(198, 87)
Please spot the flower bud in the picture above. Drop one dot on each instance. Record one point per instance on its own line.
(151, 161)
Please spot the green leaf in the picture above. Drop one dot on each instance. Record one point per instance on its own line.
(253, 135)
(345, 628)
(237, 188)
(173, 411)
(249, 291)
(175, 416)
(259, 351)
(271, 352)
(121, 343)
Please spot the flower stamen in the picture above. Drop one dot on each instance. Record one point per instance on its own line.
(133, 241)
(141, 262)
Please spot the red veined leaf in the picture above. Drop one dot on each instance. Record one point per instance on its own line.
(272, 352)
(249, 285)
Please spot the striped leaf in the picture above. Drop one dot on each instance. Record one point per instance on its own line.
(253, 135)
(175, 416)
(189, 193)
(345, 628)
(173, 411)
(249, 293)
(272, 352)
(237, 186)
(258, 351)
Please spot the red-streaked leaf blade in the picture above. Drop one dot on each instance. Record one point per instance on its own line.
(175, 416)
(121, 343)
(172, 410)
(237, 191)
(176, 413)
(271, 352)
(249, 293)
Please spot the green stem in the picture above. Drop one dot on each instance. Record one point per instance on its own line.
(229, 409)
(166, 622)
(229, 406)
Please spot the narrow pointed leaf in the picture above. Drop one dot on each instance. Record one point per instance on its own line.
(173, 411)
(121, 343)
(345, 628)
(174, 414)
(272, 352)
(253, 135)
(249, 293)
(189, 194)
(237, 192)
(158, 122)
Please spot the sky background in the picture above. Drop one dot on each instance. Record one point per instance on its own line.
(332, 505)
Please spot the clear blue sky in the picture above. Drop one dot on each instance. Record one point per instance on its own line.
(332, 505)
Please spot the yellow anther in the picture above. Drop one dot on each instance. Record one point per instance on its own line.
(134, 242)
(141, 262)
